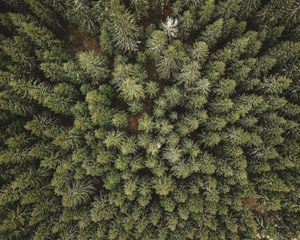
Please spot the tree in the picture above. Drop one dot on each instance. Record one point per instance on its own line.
(188, 24)
(212, 33)
(20, 51)
(102, 210)
(170, 27)
(163, 185)
(275, 85)
(189, 75)
(129, 146)
(206, 12)
(131, 89)
(200, 52)
(93, 65)
(146, 123)
(149, 119)
(170, 60)
(129, 80)
(249, 6)
(45, 125)
(172, 154)
(114, 139)
(156, 44)
(40, 36)
(78, 11)
(125, 32)
(44, 12)
(120, 120)
(15, 104)
(228, 8)
(77, 194)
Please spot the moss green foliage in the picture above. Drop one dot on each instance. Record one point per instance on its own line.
(151, 120)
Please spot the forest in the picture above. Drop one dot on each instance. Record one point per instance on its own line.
(149, 119)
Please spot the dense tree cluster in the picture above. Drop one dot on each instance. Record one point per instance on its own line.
(173, 120)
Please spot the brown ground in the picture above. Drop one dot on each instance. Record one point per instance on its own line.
(133, 123)
(252, 204)
(79, 41)
(134, 119)
(167, 11)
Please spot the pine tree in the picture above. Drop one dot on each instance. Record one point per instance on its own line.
(125, 32)
(79, 11)
(170, 60)
(212, 33)
(77, 193)
(93, 65)
(163, 186)
(44, 12)
(168, 120)
(156, 44)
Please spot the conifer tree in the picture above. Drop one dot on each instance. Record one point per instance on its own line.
(149, 119)
(124, 30)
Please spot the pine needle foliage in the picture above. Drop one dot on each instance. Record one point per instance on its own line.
(139, 119)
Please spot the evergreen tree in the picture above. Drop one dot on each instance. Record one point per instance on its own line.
(124, 30)
(149, 119)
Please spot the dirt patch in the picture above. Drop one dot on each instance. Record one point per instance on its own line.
(99, 184)
(133, 124)
(78, 41)
(167, 11)
(120, 104)
(145, 22)
(252, 204)
(148, 106)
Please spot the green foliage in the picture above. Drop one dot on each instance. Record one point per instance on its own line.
(77, 194)
(78, 12)
(156, 43)
(114, 139)
(212, 33)
(44, 125)
(93, 66)
(44, 12)
(102, 210)
(149, 119)
(163, 186)
(129, 80)
(125, 31)
(200, 52)
(170, 60)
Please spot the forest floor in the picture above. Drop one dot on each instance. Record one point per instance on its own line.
(78, 41)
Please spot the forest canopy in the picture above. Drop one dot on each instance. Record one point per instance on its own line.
(149, 119)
